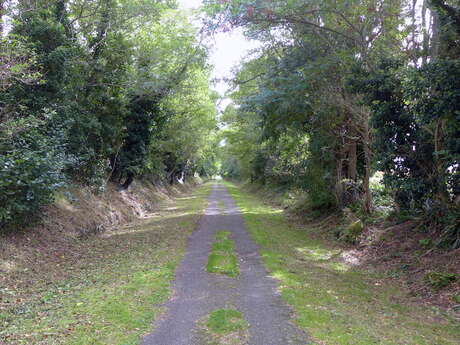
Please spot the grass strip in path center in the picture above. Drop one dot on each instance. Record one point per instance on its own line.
(222, 258)
(223, 327)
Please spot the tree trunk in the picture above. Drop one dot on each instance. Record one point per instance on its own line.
(171, 176)
(414, 34)
(128, 181)
(426, 37)
(62, 17)
(97, 43)
(352, 161)
(339, 176)
(101, 31)
(2, 10)
(440, 173)
(367, 203)
(436, 36)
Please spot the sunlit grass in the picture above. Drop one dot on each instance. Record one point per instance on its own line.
(223, 327)
(222, 258)
(335, 303)
(226, 321)
(318, 254)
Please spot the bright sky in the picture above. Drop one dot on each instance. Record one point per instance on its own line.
(228, 51)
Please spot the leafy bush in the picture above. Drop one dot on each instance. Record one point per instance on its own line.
(32, 164)
(415, 116)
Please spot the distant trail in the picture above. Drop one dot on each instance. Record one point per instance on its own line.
(197, 293)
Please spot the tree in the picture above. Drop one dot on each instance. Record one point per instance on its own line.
(93, 90)
(367, 84)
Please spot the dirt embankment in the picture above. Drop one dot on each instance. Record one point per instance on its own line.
(430, 275)
(77, 213)
(404, 252)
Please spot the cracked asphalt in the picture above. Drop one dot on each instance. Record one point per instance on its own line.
(196, 293)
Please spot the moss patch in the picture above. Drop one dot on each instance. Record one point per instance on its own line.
(224, 321)
(334, 302)
(222, 258)
(223, 327)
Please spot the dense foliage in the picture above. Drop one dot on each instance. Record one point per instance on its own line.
(98, 90)
(341, 90)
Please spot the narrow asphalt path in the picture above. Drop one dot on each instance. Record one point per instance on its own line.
(198, 293)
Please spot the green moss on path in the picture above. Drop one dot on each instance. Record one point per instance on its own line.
(226, 321)
(222, 258)
(335, 303)
(223, 327)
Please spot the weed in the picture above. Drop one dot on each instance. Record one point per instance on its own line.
(222, 258)
(223, 327)
(226, 321)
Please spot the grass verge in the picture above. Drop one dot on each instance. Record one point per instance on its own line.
(222, 258)
(117, 281)
(335, 303)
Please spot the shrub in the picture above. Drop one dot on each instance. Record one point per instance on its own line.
(31, 161)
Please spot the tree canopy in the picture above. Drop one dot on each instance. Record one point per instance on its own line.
(93, 91)
(341, 90)
(99, 90)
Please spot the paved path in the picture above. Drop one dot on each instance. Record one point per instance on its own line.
(197, 293)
